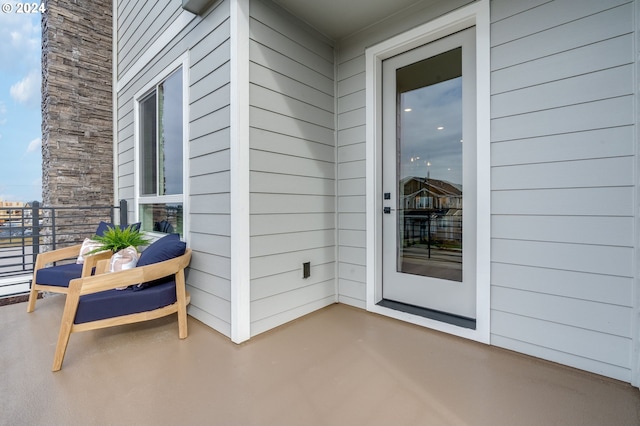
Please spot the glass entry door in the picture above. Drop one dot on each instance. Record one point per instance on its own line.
(428, 152)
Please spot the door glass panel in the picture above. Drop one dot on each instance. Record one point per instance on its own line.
(429, 167)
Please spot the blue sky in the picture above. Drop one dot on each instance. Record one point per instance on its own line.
(432, 132)
(20, 117)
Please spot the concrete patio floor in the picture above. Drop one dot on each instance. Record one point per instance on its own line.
(337, 366)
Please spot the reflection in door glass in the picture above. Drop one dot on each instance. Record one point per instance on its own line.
(429, 144)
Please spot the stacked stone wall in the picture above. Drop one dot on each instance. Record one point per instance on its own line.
(77, 117)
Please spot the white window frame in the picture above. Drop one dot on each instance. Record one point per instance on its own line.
(181, 63)
(476, 14)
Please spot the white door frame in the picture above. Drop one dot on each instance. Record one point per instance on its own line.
(476, 14)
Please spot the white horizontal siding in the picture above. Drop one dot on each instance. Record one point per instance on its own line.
(560, 343)
(592, 173)
(611, 289)
(593, 230)
(207, 41)
(599, 143)
(292, 168)
(141, 26)
(565, 201)
(563, 181)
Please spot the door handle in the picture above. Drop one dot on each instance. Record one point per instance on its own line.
(387, 210)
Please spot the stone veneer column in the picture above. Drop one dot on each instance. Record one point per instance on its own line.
(77, 129)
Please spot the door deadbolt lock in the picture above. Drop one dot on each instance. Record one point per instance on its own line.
(387, 195)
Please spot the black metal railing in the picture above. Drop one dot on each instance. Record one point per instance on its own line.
(27, 231)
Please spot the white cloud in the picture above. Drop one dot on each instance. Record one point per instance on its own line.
(27, 90)
(34, 145)
(21, 34)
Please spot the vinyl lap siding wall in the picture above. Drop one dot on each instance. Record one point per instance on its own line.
(207, 41)
(292, 168)
(562, 181)
(139, 24)
(209, 277)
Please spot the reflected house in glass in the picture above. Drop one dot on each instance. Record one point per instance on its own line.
(439, 200)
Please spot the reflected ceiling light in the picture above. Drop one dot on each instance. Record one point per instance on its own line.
(440, 128)
(408, 110)
(460, 140)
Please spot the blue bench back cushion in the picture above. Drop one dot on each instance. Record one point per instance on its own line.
(167, 247)
(103, 226)
(59, 275)
(114, 303)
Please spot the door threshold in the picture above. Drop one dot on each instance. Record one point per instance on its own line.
(452, 319)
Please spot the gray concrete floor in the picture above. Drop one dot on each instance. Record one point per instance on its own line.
(337, 366)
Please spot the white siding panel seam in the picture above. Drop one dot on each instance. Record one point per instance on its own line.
(205, 135)
(221, 29)
(562, 242)
(553, 349)
(209, 114)
(303, 69)
(204, 288)
(283, 95)
(555, 52)
(206, 154)
(579, 12)
(211, 71)
(522, 7)
(527, 138)
(551, 268)
(294, 51)
(292, 117)
(568, 188)
(294, 250)
(595, 101)
(568, 77)
(547, 293)
(561, 161)
(294, 156)
(563, 324)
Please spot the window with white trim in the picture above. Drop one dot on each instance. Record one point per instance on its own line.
(161, 156)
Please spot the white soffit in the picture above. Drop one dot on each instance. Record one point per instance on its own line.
(340, 18)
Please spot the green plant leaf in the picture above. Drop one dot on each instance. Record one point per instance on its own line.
(115, 239)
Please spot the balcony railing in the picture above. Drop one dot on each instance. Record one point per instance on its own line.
(27, 231)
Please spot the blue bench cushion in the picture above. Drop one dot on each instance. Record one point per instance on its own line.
(103, 226)
(114, 303)
(166, 248)
(59, 275)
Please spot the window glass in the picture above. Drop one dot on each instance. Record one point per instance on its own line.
(160, 168)
(170, 137)
(159, 217)
(148, 145)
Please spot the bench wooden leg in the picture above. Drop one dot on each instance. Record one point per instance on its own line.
(68, 316)
(33, 296)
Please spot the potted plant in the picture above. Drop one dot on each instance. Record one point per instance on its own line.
(116, 238)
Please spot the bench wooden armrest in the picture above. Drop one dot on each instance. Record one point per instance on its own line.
(107, 281)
